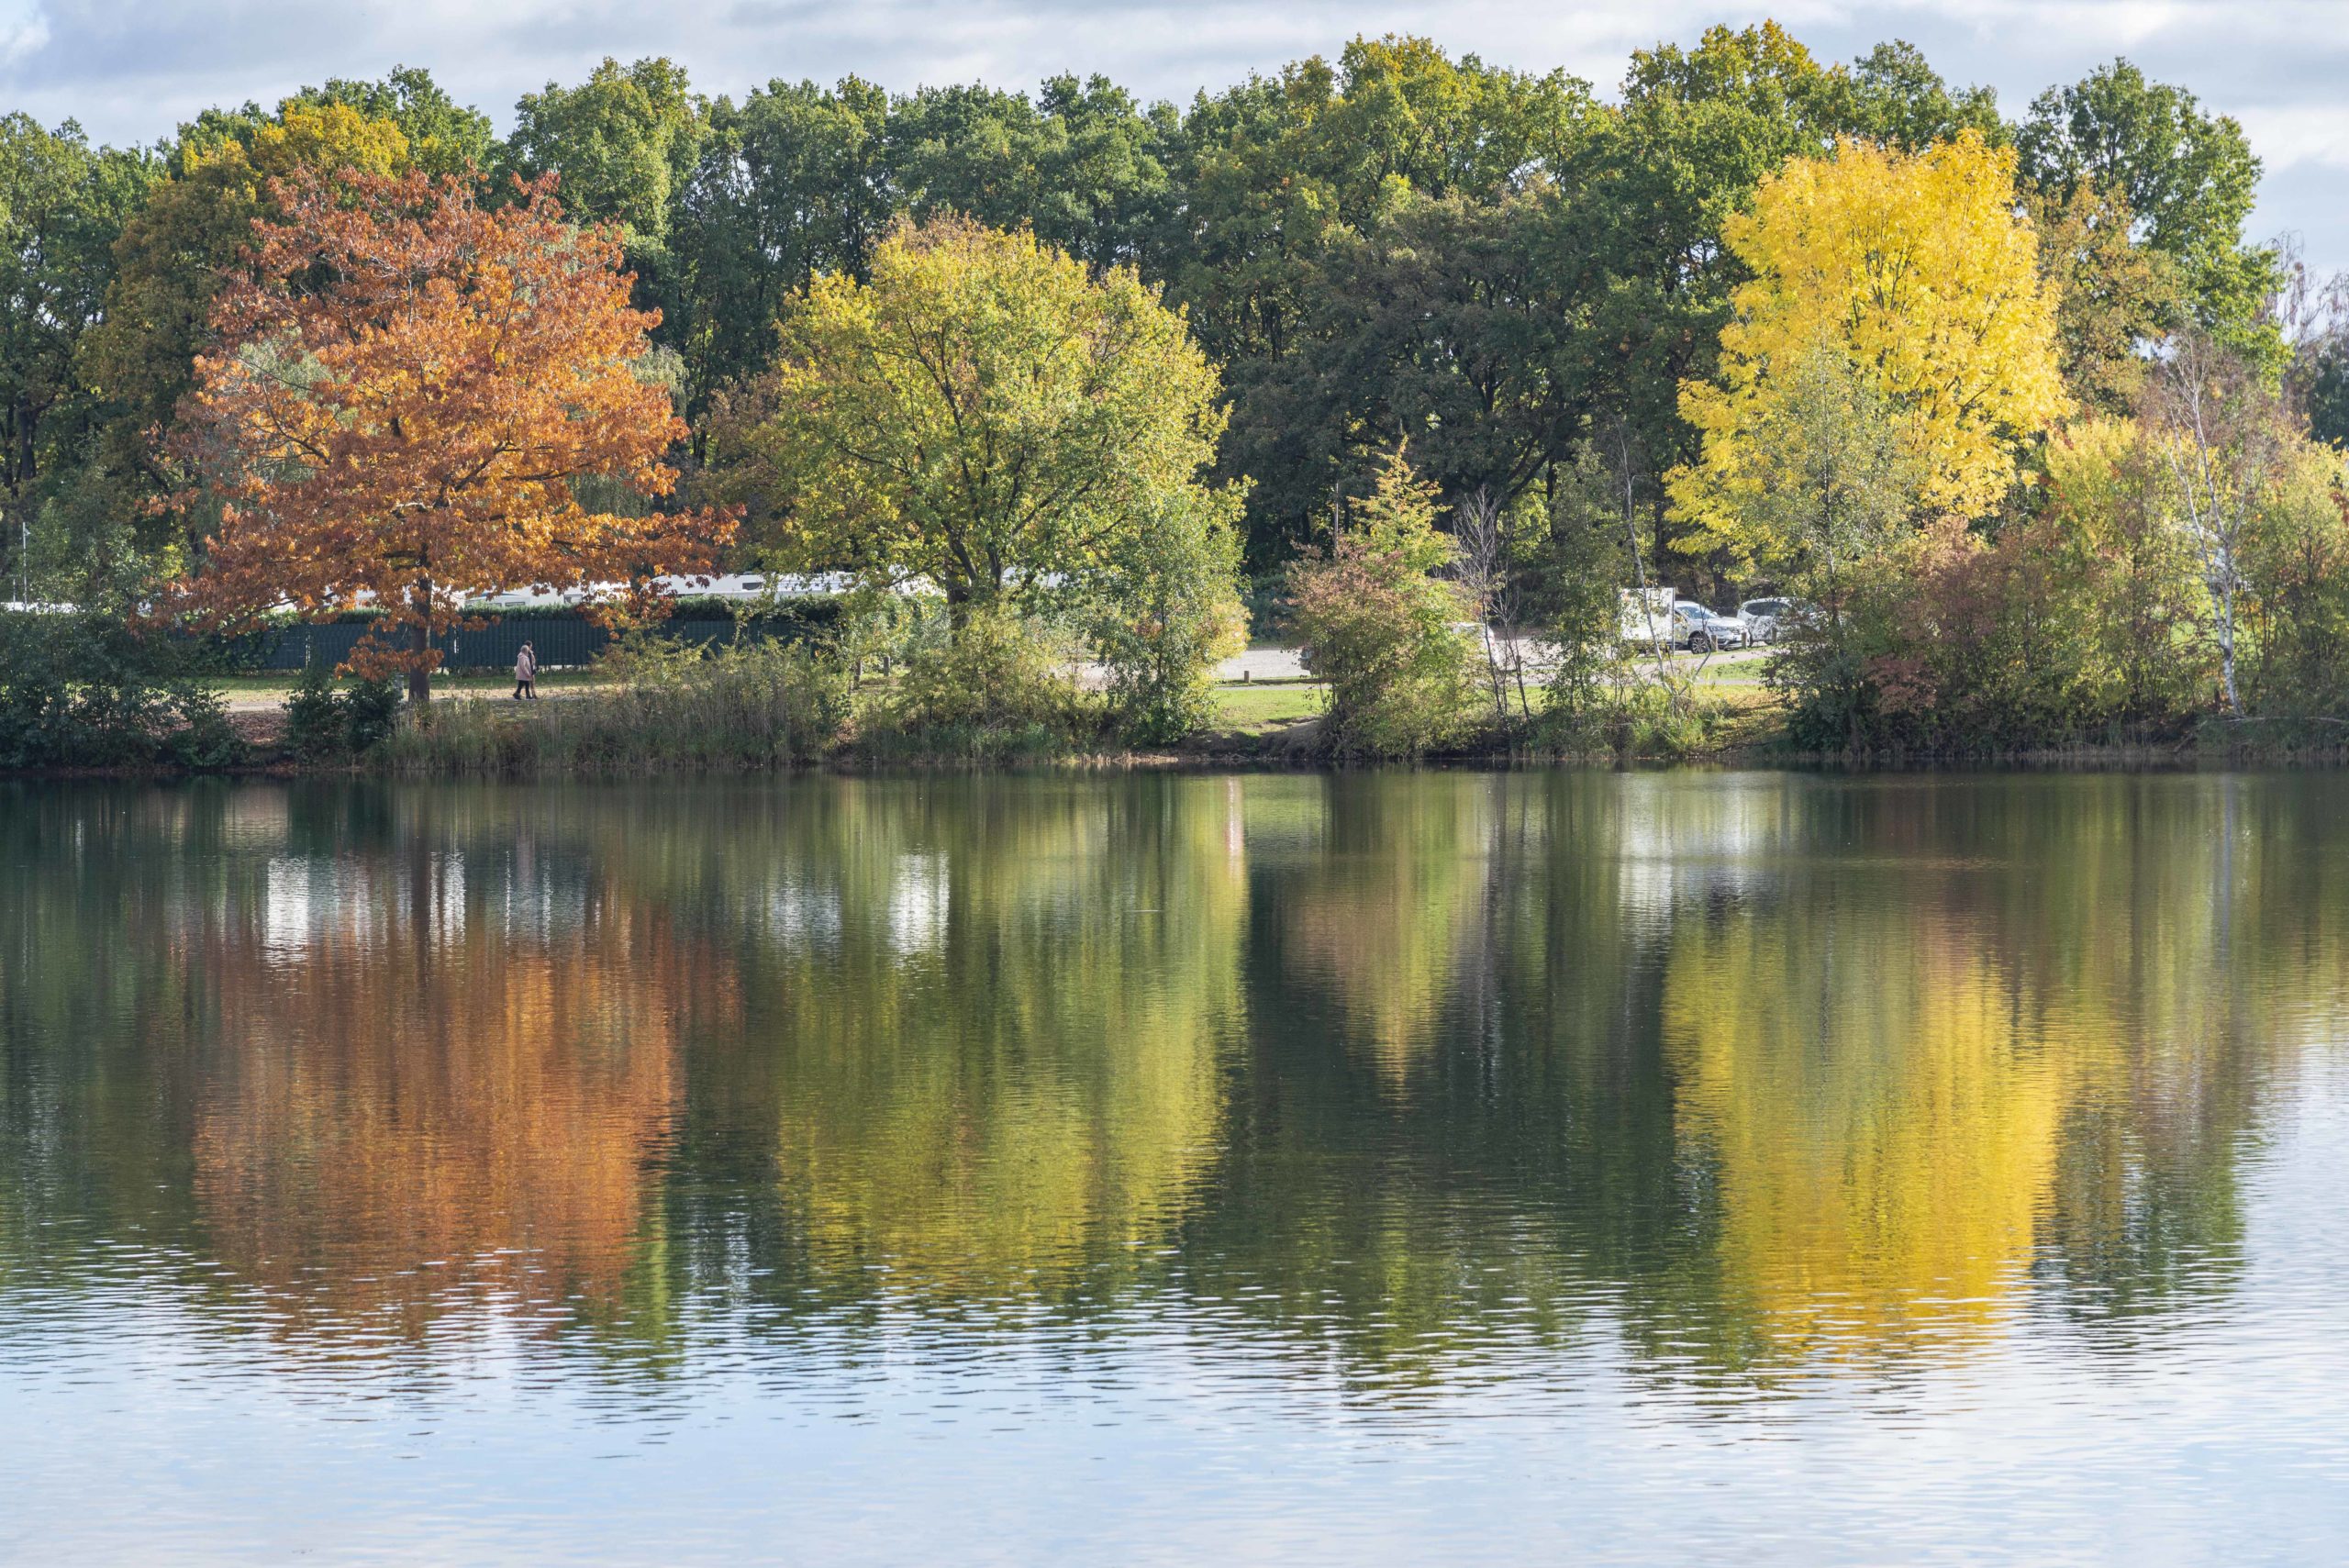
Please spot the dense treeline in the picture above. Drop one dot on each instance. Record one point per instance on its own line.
(1522, 286)
(1395, 244)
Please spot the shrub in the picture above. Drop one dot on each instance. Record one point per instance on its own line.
(2298, 558)
(315, 726)
(1581, 568)
(1167, 611)
(999, 686)
(322, 723)
(196, 733)
(2081, 622)
(1382, 630)
(92, 691)
(371, 711)
(1651, 722)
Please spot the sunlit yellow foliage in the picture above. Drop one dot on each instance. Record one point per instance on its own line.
(1884, 1137)
(2100, 474)
(330, 136)
(1918, 269)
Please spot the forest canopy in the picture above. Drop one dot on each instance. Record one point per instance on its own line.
(1395, 243)
(1741, 315)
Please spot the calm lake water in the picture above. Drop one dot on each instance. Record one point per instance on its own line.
(1389, 1168)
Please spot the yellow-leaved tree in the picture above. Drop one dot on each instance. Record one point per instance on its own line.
(1918, 274)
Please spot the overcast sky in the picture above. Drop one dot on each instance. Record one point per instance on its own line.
(130, 70)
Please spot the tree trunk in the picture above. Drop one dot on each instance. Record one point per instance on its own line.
(419, 679)
(1500, 680)
(2227, 651)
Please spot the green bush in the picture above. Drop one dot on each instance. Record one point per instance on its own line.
(314, 716)
(91, 691)
(322, 722)
(1580, 569)
(371, 711)
(998, 685)
(1166, 611)
(1383, 630)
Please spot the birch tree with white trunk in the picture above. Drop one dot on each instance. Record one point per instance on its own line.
(2219, 432)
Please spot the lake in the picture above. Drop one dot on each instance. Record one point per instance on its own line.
(1376, 1168)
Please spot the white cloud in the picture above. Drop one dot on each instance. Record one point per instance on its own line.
(23, 32)
(2288, 135)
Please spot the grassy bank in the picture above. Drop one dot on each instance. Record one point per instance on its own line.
(774, 707)
(785, 713)
(786, 709)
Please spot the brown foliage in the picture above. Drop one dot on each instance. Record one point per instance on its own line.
(426, 1104)
(410, 388)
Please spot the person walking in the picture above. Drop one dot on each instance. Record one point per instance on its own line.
(526, 675)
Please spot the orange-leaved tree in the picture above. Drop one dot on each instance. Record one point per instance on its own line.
(410, 391)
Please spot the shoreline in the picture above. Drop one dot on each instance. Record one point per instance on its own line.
(490, 740)
(1269, 755)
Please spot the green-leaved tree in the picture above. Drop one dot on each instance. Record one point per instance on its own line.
(985, 416)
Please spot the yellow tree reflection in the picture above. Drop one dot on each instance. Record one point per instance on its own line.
(1881, 1136)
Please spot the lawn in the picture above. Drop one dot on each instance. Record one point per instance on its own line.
(1260, 708)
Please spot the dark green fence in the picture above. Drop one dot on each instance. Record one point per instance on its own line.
(558, 640)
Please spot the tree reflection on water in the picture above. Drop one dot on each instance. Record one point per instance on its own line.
(1423, 1072)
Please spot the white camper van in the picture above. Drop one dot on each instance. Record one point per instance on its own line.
(1645, 618)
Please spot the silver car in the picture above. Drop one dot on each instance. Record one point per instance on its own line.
(1764, 618)
(1702, 631)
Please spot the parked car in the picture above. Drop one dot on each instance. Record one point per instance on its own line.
(1764, 617)
(1644, 618)
(1702, 631)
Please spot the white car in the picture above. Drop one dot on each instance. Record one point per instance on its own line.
(1702, 631)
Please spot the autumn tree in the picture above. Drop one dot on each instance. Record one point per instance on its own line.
(411, 388)
(1918, 272)
(1380, 625)
(173, 258)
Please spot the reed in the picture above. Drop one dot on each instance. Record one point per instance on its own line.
(751, 707)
